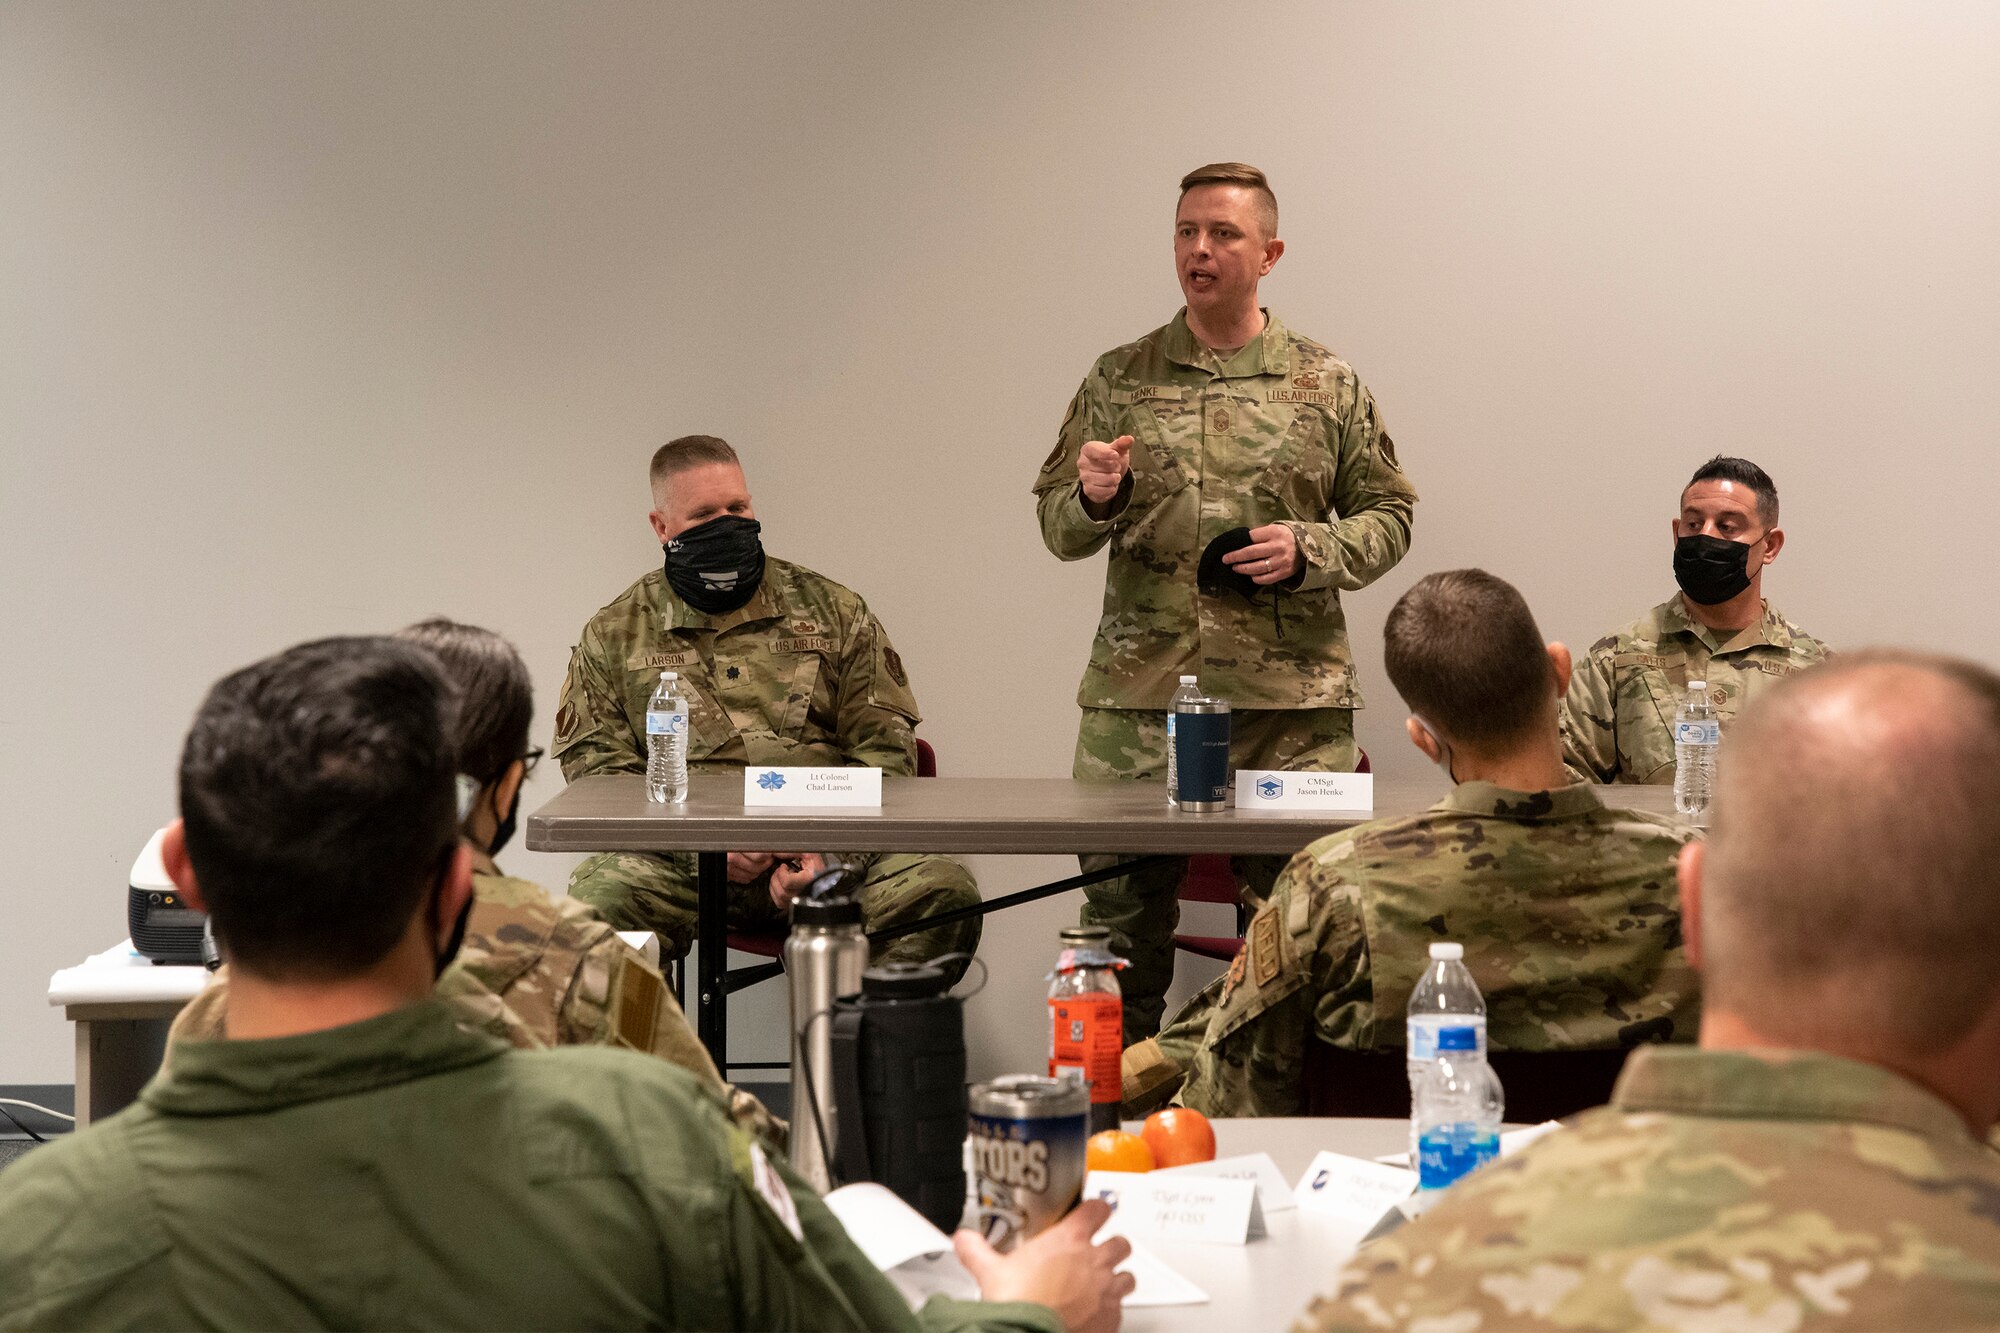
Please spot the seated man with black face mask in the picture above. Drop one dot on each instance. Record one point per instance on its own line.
(354, 1157)
(534, 969)
(1618, 717)
(779, 665)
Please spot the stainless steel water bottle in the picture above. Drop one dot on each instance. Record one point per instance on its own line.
(824, 957)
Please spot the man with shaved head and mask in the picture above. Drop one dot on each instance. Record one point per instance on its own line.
(780, 665)
(1618, 717)
(1820, 1161)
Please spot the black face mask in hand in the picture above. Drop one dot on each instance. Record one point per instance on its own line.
(717, 566)
(1711, 570)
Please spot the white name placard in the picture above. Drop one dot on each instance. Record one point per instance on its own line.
(772, 785)
(1178, 1207)
(1258, 788)
(1273, 1194)
(1353, 1187)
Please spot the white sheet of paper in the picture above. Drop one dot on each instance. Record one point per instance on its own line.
(886, 1229)
(1270, 789)
(768, 784)
(1516, 1139)
(1273, 1194)
(121, 974)
(1209, 1209)
(919, 1259)
(1353, 1187)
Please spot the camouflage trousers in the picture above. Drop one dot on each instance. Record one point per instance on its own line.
(1141, 909)
(641, 891)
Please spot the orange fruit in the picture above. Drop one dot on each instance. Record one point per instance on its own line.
(1178, 1136)
(1117, 1150)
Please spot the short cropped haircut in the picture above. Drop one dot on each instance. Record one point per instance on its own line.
(1463, 650)
(496, 697)
(1237, 173)
(1849, 892)
(1746, 474)
(317, 792)
(686, 452)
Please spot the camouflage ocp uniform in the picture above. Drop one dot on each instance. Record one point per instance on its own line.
(1718, 1191)
(539, 971)
(1281, 432)
(1568, 911)
(1618, 718)
(802, 673)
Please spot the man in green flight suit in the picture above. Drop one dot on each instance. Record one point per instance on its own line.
(1820, 1162)
(352, 1157)
(779, 665)
(1565, 907)
(1618, 717)
(534, 969)
(1222, 422)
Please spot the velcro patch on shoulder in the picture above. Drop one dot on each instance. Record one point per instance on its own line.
(1266, 961)
(635, 1003)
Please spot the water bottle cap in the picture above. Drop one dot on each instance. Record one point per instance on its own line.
(1187, 680)
(670, 675)
(829, 900)
(1457, 1039)
(1084, 934)
(1447, 953)
(1697, 685)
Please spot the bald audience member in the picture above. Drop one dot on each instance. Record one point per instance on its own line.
(1818, 1162)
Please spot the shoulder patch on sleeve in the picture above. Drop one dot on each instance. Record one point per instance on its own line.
(635, 1002)
(1263, 945)
(1055, 457)
(771, 1189)
(892, 660)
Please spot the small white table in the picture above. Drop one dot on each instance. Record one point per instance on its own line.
(1266, 1284)
(122, 1004)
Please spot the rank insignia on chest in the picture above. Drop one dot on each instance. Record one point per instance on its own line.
(734, 673)
(1219, 421)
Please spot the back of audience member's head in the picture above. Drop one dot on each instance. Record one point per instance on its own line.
(496, 697)
(1463, 650)
(1848, 899)
(317, 793)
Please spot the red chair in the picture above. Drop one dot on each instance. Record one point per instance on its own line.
(1208, 880)
(771, 943)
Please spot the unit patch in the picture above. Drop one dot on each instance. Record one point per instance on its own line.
(891, 660)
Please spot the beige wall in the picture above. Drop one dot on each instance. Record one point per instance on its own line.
(322, 318)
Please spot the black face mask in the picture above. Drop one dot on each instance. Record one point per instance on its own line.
(1711, 570)
(1215, 578)
(717, 566)
(457, 940)
(503, 833)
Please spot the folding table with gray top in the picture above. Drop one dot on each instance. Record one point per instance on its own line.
(972, 816)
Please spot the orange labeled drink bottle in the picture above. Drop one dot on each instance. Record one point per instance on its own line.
(1087, 1019)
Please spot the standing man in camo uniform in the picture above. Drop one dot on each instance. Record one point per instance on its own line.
(1222, 422)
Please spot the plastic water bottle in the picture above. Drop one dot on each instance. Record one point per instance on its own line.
(1697, 736)
(1457, 1112)
(667, 742)
(1445, 996)
(1188, 690)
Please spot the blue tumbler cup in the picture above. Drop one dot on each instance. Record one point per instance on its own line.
(1201, 754)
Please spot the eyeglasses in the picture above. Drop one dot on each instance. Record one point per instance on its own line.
(529, 760)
